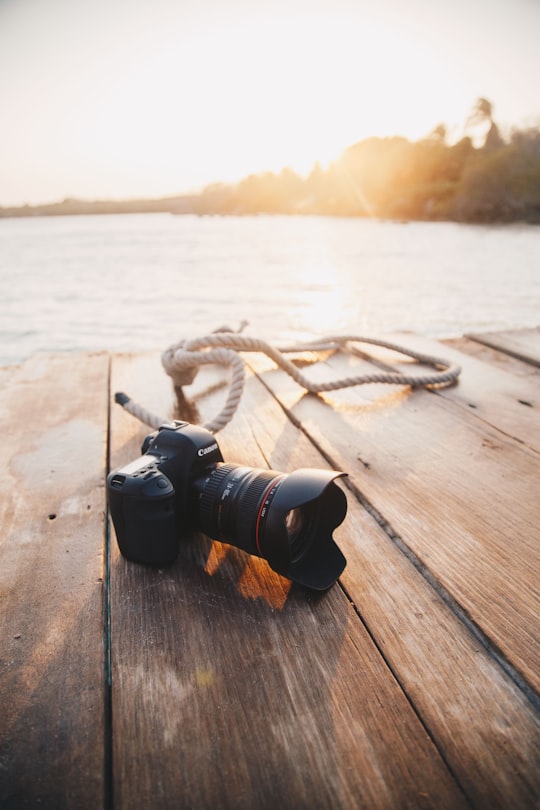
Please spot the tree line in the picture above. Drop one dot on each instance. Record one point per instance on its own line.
(481, 178)
(394, 178)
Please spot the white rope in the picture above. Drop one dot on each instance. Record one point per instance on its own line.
(182, 361)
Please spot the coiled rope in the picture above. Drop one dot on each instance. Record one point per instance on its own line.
(182, 360)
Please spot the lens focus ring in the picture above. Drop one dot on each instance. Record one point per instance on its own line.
(230, 501)
(209, 500)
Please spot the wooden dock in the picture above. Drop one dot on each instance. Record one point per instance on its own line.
(215, 683)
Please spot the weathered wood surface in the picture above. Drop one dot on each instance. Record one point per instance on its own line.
(242, 691)
(493, 356)
(460, 495)
(500, 398)
(52, 669)
(413, 683)
(524, 344)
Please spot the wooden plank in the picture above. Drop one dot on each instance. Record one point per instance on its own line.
(489, 355)
(509, 403)
(521, 343)
(233, 689)
(487, 730)
(460, 496)
(52, 673)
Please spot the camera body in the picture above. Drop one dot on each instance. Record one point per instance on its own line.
(181, 484)
(149, 498)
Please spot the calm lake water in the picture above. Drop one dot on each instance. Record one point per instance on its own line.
(135, 282)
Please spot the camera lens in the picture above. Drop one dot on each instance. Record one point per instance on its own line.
(232, 503)
(286, 519)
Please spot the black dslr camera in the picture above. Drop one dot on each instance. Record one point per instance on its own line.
(180, 484)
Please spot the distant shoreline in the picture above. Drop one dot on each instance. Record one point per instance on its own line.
(187, 205)
(378, 178)
(75, 207)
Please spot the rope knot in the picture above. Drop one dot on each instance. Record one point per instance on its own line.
(182, 361)
(179, 365)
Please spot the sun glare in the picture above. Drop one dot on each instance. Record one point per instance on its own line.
(158, 103)
(250, 99)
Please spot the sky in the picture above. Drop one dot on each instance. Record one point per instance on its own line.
(115, 99)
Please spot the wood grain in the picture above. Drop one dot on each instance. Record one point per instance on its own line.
(493, 356)
(232, 688)
(505, 401)
(521, 343)
(485, 727)
(459, 495)
(52, 674)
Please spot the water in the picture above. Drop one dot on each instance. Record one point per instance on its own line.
(136, 282)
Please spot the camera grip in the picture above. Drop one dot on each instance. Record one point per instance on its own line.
(142, 505)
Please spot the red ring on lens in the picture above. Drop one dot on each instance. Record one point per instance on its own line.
(266, 501)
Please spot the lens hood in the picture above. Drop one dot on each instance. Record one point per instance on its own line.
(311, 557)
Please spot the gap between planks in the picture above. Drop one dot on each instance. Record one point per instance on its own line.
(430, 577)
